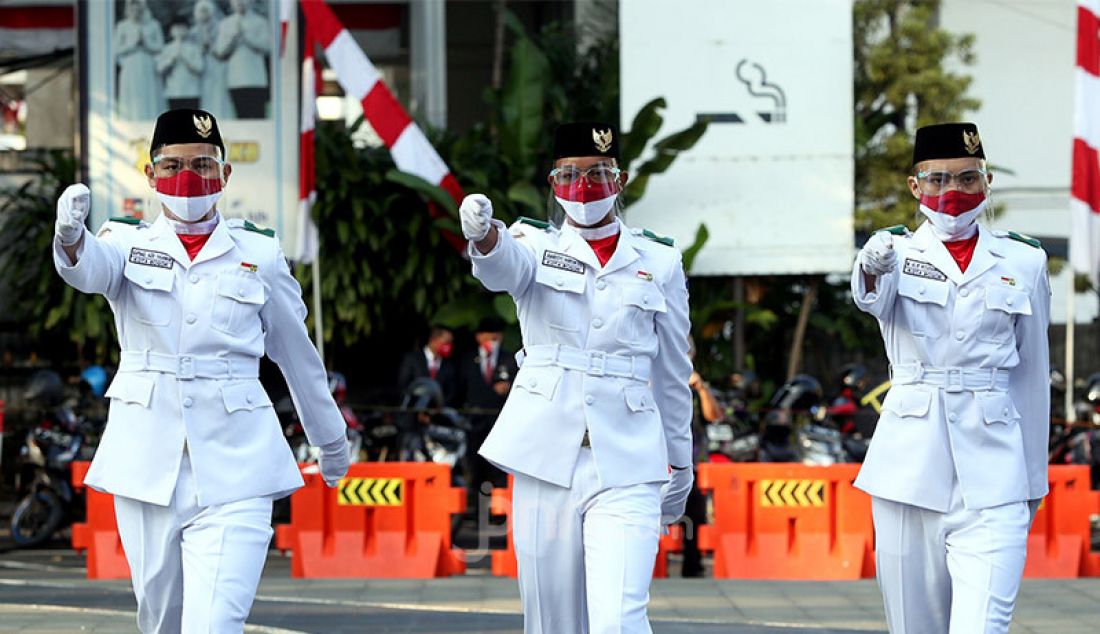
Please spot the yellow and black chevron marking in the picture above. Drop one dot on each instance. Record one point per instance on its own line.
(792, 493)
(371, 492)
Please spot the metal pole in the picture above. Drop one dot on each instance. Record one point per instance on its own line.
(1071, 294)
(318, 315)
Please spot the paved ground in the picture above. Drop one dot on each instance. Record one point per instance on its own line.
(43, 591)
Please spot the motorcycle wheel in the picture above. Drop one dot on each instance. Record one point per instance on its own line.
(36, 518)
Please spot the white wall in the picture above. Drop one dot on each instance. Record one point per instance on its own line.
(1024, 77)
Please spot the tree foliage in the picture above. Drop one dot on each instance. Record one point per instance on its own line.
(902, 81)
(54, 312)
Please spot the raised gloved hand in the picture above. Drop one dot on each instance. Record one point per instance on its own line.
(72, 210)
(476, 213)
(335, 459)
(878, 256)
(674, 495)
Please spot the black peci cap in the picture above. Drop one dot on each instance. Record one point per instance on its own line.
(186, 125)
(947, 141)
(490, 324)
(586, 138)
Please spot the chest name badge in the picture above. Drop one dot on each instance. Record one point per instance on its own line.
(562, 261)
(146, 257)
(923, 269)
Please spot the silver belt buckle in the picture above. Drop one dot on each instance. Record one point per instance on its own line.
(597, 363)
(948, 384)
(185, 368)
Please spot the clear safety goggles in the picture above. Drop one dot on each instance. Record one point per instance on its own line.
(969, 181)
(205, 166)
(593, 183)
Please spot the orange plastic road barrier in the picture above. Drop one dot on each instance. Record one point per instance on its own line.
(1060, 540)
(504, 561)
(98, 535)
(787, 521)
(386, 520)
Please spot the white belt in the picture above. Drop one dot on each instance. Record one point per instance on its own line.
(950, 379)
(185, 366)
(591, 362)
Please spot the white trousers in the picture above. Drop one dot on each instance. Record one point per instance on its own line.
(956, 572)
(585, 554)
(195, 568)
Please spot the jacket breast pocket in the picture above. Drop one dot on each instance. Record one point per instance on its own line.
(1001, 307)
(923, 303)
(640, 305)
(131, 388)
(237, 303)
(907, 402)
(151, 292)
(562, 297)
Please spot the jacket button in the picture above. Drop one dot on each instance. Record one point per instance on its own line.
(533, 382)
(240, 292)
(191, 318)
(960, 335)
(1006, 411)
(964, 292)
(248, 398)
(601, 285)
(952, 417)
(645, 299)
(589, 399)
(194, 279)
(187, 402)
(597, 323)
(920, 291)
(1009, 301)
(148, 280)
(559, 282)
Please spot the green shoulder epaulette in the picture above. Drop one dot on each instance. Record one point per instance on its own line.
(126, 220)
(1028, 240)
(897, 230)
(665, 240)
(541, 224)
(248, 226)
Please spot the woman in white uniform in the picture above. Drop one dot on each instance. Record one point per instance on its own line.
(138, 40)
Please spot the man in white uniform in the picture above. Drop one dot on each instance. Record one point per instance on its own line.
(958, 463)
(600, 411)
(193, 451)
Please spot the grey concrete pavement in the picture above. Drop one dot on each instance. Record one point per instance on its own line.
(44, 591)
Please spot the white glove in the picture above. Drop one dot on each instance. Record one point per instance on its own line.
(477, 216)
(72, 210)
(674, 495)
(335, 459)
(878, 256)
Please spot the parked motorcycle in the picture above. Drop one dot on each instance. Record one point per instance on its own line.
(47, 501)
(296, 435)
(430, 431)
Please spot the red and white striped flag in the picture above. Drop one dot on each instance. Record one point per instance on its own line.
(308, 243)
(35, 27)
(411, 151)
(1084, 242)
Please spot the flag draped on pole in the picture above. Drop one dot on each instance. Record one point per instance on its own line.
(307, 189)
(1085, 189)
(411, 150)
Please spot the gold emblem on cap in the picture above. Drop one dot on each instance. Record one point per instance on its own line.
(971, 141)
(203, 125)
(602, 139)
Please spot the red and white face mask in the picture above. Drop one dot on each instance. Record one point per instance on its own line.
(188, 195)
(587, 196)
(953, 214)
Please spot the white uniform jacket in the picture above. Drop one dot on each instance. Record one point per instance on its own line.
(192, 334)
(970, 366)
(606, 350)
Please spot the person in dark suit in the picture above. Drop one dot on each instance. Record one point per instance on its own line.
(432, 361)
(486, 376)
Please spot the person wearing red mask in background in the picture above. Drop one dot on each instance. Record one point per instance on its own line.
(600, 413)
(433, 361)
(193, 451)
(958, 463)
(486, 377)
